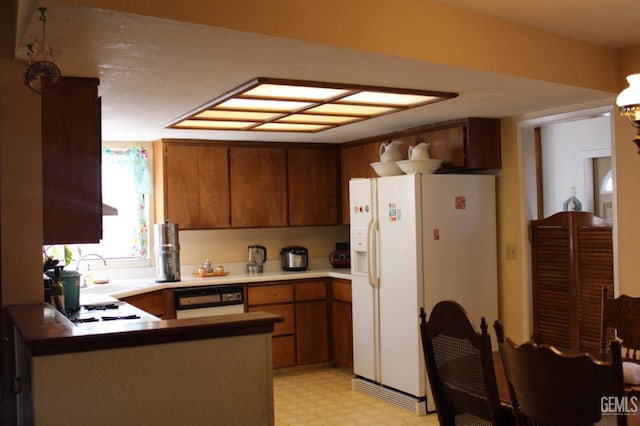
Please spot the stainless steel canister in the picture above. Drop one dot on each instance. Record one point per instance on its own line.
(167, 249)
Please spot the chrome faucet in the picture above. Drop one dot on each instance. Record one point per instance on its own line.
(88, 255)
(84, 277)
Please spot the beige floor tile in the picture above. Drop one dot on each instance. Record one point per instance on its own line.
(323, 396)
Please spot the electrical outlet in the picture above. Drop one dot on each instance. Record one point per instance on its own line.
(511, 252)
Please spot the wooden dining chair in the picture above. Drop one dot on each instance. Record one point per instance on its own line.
(621, 314)
(460, 367)
(553, 388)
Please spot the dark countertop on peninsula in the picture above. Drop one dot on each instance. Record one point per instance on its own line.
(46, 331)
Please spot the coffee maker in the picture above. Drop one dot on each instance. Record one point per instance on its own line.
(257, 258)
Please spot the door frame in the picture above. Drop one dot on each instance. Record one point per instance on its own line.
(526, 140)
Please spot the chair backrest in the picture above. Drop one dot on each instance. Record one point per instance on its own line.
(623, 315)
(460, 367)
(552, 388)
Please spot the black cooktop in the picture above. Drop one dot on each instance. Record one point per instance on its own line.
(115, 311)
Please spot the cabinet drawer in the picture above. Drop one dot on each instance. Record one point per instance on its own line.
(285, 311)
(311, 290)
(269, 294)
(341, 290)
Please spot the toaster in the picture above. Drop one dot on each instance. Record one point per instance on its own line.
(294, 258)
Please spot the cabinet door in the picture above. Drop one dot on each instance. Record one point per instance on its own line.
(159, 303)
(71, 161)
(196, 186)
(341, 322)
(258, 187)
(355, 162)
(313, 186)
(312, 343)
(342, 333)
(448, 145)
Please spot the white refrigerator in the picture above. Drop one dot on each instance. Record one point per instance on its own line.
(416, 240)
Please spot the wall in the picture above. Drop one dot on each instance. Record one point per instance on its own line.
(180, 383)
(565, 147)
(21, 187)
(512, 273)
(230, 245)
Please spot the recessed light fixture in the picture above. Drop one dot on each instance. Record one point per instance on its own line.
(279, 105)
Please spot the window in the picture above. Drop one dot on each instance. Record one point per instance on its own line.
(126, 185)
(606, 186)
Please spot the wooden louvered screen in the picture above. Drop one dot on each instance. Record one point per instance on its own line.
(572, 260)
(595, 270)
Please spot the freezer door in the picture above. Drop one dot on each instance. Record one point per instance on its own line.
(362, 215)
(401, 296)
(364, 293)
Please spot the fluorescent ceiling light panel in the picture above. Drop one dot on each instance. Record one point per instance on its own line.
(275, 91)
(212, 114)
(318, 118)
(291, 127)
(351, 110)
(214, 125)
(381, 98)
(269, 104)
(241, 104)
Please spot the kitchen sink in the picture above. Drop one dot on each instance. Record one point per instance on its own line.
(113, 288)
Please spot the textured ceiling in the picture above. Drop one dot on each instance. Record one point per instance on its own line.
(154, 70)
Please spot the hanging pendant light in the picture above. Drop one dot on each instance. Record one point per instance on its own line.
(40, 61)
(628, 102)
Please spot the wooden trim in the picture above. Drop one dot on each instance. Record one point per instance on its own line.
(252, 144)
(413, 131)
(537, 134)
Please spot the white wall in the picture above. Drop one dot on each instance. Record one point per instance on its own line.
(566, 150)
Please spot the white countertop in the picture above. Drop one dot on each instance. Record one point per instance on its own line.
(145, 282)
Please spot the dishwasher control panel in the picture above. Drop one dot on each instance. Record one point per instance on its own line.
(208, 296)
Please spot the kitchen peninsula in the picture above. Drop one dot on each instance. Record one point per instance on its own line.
(166, 371)
(145, 371)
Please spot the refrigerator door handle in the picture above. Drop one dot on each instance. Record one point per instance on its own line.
(372, 255)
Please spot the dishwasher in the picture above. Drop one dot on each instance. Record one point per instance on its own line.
(207, 301)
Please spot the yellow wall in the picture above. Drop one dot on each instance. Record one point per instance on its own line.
(21, 180)
(627, 176)
(513, 290)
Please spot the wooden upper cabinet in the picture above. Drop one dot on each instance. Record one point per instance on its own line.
(355, 162)
(462, 145)
(196, 185)
(313, 186)
(468, 144)
(258, 187)
(71, 161)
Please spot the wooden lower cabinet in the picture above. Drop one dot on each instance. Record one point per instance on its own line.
(283, 342)
(312, 343)
(277, 298)
(159, 303)
(284, 351)
(303, 337)
(341, 322)
(312, 325)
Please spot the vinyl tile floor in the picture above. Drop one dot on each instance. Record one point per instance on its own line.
(323, 396)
